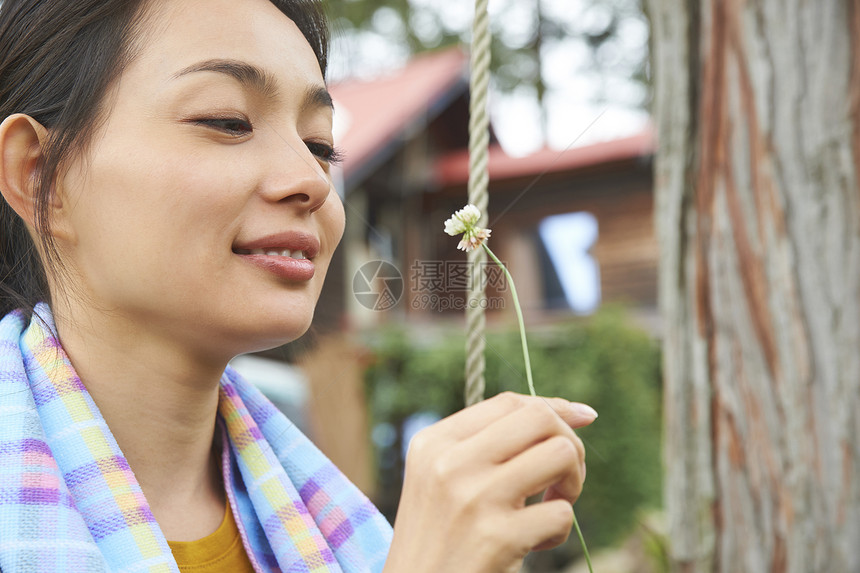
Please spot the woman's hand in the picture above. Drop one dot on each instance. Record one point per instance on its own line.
(467, 479)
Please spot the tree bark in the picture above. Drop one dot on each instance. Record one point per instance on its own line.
(757, 213)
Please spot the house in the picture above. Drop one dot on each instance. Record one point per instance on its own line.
(574, 226)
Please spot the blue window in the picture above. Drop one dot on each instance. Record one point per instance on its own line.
(571, 275)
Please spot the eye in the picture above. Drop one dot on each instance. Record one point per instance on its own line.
(325, 152)
(236, 126)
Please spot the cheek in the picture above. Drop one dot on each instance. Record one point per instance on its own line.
(148, 224)
(157, 192)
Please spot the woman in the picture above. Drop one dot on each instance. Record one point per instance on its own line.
(164, 166)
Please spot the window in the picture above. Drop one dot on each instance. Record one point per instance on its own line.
(571, 276)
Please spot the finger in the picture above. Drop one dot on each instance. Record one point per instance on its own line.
(544, 525)
(471, 420)
(553, 462)
(553, 491)
(515, 432)
(565, 489)
(577, 414)
(559, 489)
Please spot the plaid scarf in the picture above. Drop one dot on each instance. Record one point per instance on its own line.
(69, 501)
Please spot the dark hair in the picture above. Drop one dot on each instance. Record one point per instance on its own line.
(57, 62)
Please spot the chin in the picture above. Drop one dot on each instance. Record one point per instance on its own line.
(262, 319)
(272, 333)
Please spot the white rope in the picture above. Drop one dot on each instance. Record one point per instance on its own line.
(479, 141)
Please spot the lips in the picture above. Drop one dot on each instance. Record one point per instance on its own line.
(288, 255)
(288, 244)
(273, 253)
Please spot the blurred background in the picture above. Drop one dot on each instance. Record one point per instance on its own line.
(571, 209)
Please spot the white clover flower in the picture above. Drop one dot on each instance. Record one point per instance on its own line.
(454, 226)
(473, 240)
(465, 222)
(466, 217)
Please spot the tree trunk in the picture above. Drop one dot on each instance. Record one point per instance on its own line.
(759, 227)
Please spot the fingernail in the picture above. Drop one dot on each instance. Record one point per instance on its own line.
(584, 410)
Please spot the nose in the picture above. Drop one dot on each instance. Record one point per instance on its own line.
(294, 175)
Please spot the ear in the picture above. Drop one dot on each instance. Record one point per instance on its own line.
(21, 141)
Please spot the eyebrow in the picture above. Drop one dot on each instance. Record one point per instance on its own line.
(317, 96)
(257, 79)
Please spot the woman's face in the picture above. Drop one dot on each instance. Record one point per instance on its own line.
(194, 206)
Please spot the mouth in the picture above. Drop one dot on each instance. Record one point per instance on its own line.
(291, 244)
(287, 253)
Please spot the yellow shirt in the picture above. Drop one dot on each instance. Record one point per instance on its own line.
(220, 552)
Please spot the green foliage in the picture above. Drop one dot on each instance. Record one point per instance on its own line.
(603, 361)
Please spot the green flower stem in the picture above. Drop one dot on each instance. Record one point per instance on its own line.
(582, 541)
(519, 317)
(529, 371)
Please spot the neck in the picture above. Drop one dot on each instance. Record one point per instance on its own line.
(160, 404)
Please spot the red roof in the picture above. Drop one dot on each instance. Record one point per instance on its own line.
(453, 169)
(376, 112)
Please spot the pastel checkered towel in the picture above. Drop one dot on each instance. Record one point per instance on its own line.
(70, 503)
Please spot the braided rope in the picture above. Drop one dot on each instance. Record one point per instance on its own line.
(479, 141)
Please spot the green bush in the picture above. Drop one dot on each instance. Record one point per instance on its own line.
(602, 360)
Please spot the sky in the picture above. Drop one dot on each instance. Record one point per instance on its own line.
(584, 105)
